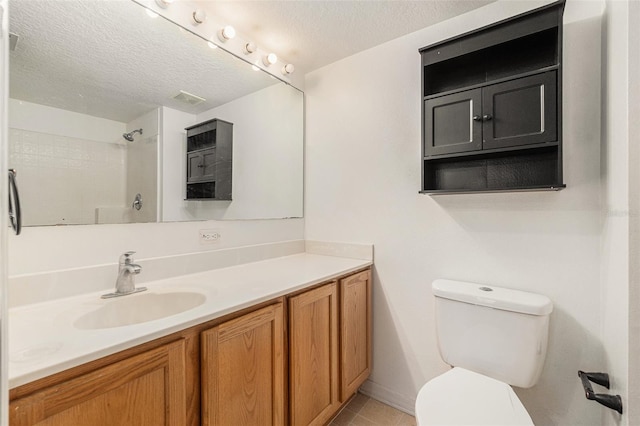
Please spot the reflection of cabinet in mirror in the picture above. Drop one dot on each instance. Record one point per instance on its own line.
(209, 158)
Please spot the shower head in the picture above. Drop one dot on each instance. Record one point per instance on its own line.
(129, 136)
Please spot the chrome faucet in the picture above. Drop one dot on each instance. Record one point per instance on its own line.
(127, 270)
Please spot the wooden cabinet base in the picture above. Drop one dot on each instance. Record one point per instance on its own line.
(355, 332)
(243, 370)
(232, 370)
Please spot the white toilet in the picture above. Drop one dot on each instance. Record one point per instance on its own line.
(493, 337)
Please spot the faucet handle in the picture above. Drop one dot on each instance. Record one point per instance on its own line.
(127, 257)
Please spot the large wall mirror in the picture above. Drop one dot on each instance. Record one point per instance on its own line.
(100, 95)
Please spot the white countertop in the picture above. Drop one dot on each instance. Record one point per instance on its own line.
(43, 339)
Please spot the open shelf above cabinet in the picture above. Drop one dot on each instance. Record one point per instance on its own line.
(492, 107)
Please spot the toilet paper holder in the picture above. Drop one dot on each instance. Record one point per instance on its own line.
(611, 401)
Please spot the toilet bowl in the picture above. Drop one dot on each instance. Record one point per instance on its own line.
(493, 338)
(462, 397)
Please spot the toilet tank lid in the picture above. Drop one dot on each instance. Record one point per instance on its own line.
(491, 296)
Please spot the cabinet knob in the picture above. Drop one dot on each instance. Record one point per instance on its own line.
(486, 117)
(200, 165)
(477, 118)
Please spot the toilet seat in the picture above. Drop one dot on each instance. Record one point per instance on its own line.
(462, 397)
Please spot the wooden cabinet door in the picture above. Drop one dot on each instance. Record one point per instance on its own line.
(453, 123)
(355, 332)
(243, 380)
(146, 389)
(520, 112)
(313, 356)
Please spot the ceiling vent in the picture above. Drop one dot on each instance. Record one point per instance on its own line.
(188, 98)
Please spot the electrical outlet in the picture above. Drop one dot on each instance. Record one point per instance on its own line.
(209, 236)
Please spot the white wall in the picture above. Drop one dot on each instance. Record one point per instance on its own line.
(362, 183)
(621, 205)
(68, 164)
(54, 248)
(633, 408)
(174, 143)
(44, 119)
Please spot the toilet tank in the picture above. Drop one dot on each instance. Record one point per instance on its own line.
(498, 332)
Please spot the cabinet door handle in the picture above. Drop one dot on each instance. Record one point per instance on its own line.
(200, 165)
(477, 118)
(486, 117)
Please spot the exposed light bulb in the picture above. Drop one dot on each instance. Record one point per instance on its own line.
(227, 33)
(164, 3)
(199, 16)
(249, 48)
(288, 69)
(270, 59)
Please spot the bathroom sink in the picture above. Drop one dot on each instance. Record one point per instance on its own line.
(139, 308)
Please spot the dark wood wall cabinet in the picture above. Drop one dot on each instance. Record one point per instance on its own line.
(209, 160)
(492, 107)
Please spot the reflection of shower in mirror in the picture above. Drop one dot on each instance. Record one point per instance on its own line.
(129, 136)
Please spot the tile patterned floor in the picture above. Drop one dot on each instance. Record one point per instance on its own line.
(364, 411)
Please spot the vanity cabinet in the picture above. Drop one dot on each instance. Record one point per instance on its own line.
(355, 332)
(329, 347)
(296, 359)
(492, 107)
(145, 389)
(209, 160)
(313, 355)
(243, 370)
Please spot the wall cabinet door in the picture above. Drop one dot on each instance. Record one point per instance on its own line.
(355, 332)
(452, 123)
(520, 112)
(201, 165)
(313, 356)
(146, 389)
(514, 113)
(243, 377)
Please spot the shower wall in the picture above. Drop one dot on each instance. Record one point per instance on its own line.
(69, 165)
(142, 167)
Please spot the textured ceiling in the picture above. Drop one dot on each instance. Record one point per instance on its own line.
(314, 33)
(108, 58)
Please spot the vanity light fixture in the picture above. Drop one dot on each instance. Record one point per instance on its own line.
(226, 33)
(270, 59)
(249, 48)
(199, 16)
(164, 3)
(288, 69)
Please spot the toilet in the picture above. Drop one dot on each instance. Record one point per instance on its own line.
(494, 338)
